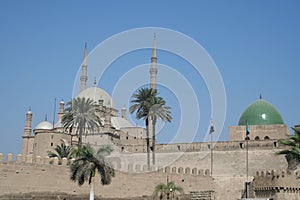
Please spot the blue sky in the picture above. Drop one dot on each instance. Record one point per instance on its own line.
(255, 45)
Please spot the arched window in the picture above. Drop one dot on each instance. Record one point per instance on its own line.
(267, 138)
(256, 138)
(247, 138)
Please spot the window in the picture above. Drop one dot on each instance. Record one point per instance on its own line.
(267, 138)
(241, 145)
(256, 138)
(51, 144)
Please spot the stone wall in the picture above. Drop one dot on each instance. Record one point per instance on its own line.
(258, 132)
(19, 177)
(190, 169)
(277, 185)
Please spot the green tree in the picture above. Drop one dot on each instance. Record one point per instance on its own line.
(168, 191)
(141, 105)
(293, 152)
(158, 110)
(87, 162)
(81, 115)
(150, 107)
(62, 151)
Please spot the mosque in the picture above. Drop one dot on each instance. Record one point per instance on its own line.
(225, 167)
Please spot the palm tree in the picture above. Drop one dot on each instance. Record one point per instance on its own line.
(168, 191)
(141, 106)
(293, 152)
(81, 114)
(62, 151)
(158, 110)
(87, 163)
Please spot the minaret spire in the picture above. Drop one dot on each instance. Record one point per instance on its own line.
(83, 77)
(153, 69)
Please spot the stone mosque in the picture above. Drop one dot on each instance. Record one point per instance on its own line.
(204, 171)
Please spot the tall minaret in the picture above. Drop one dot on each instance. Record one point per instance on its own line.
(153, 69)
(83, 77)
(61, 110)
(27, 139)
(27, 130)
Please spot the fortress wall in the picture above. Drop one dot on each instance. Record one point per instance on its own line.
(277, 184)
(190, 170)
(277, 131)
(19, 177)
(225, 163)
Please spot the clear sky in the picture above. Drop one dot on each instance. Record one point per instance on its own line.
(255, 45)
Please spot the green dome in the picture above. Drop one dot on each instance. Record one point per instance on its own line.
(260, 113)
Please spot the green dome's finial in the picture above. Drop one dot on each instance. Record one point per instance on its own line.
(260, 96)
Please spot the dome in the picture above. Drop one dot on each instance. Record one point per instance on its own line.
(45, 125)
(118, 123)
(260, 113)
(97, 94)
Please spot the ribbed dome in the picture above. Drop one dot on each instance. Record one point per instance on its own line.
(97, 94)
(260, 113)
(45, 125)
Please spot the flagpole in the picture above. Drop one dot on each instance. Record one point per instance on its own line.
(247, 160)
(247, 171)
(211, 130)
(211, 154)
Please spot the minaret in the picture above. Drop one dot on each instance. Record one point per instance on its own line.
(61, 110)
(27, 130)
(153, 69)
(123, 113)
(27, 139)
(83, 77)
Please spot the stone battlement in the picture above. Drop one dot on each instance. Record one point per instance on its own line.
(131, 167)
(277, 180)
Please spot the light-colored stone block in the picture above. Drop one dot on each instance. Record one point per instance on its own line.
(9, 157)
(64, 161)
(19, 158)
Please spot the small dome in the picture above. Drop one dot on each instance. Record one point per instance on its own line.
(118, 123)
(97, 94)
(45, 125)
(260, 113)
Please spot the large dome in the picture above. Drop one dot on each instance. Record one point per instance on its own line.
(260, 113)
(97, 94)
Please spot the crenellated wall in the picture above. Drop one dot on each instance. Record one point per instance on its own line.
(36, 175)
(277, 184)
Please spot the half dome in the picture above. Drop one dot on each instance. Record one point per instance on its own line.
(97, 94)
(261, 113)
(118, 123)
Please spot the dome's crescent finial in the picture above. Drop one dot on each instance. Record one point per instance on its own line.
(95, 82)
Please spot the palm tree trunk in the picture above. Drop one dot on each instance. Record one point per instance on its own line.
(153, 140)
(92, 189)
(148, 144)
(80, 137)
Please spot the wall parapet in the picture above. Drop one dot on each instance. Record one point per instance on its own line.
(130, 167)
(30, 159)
